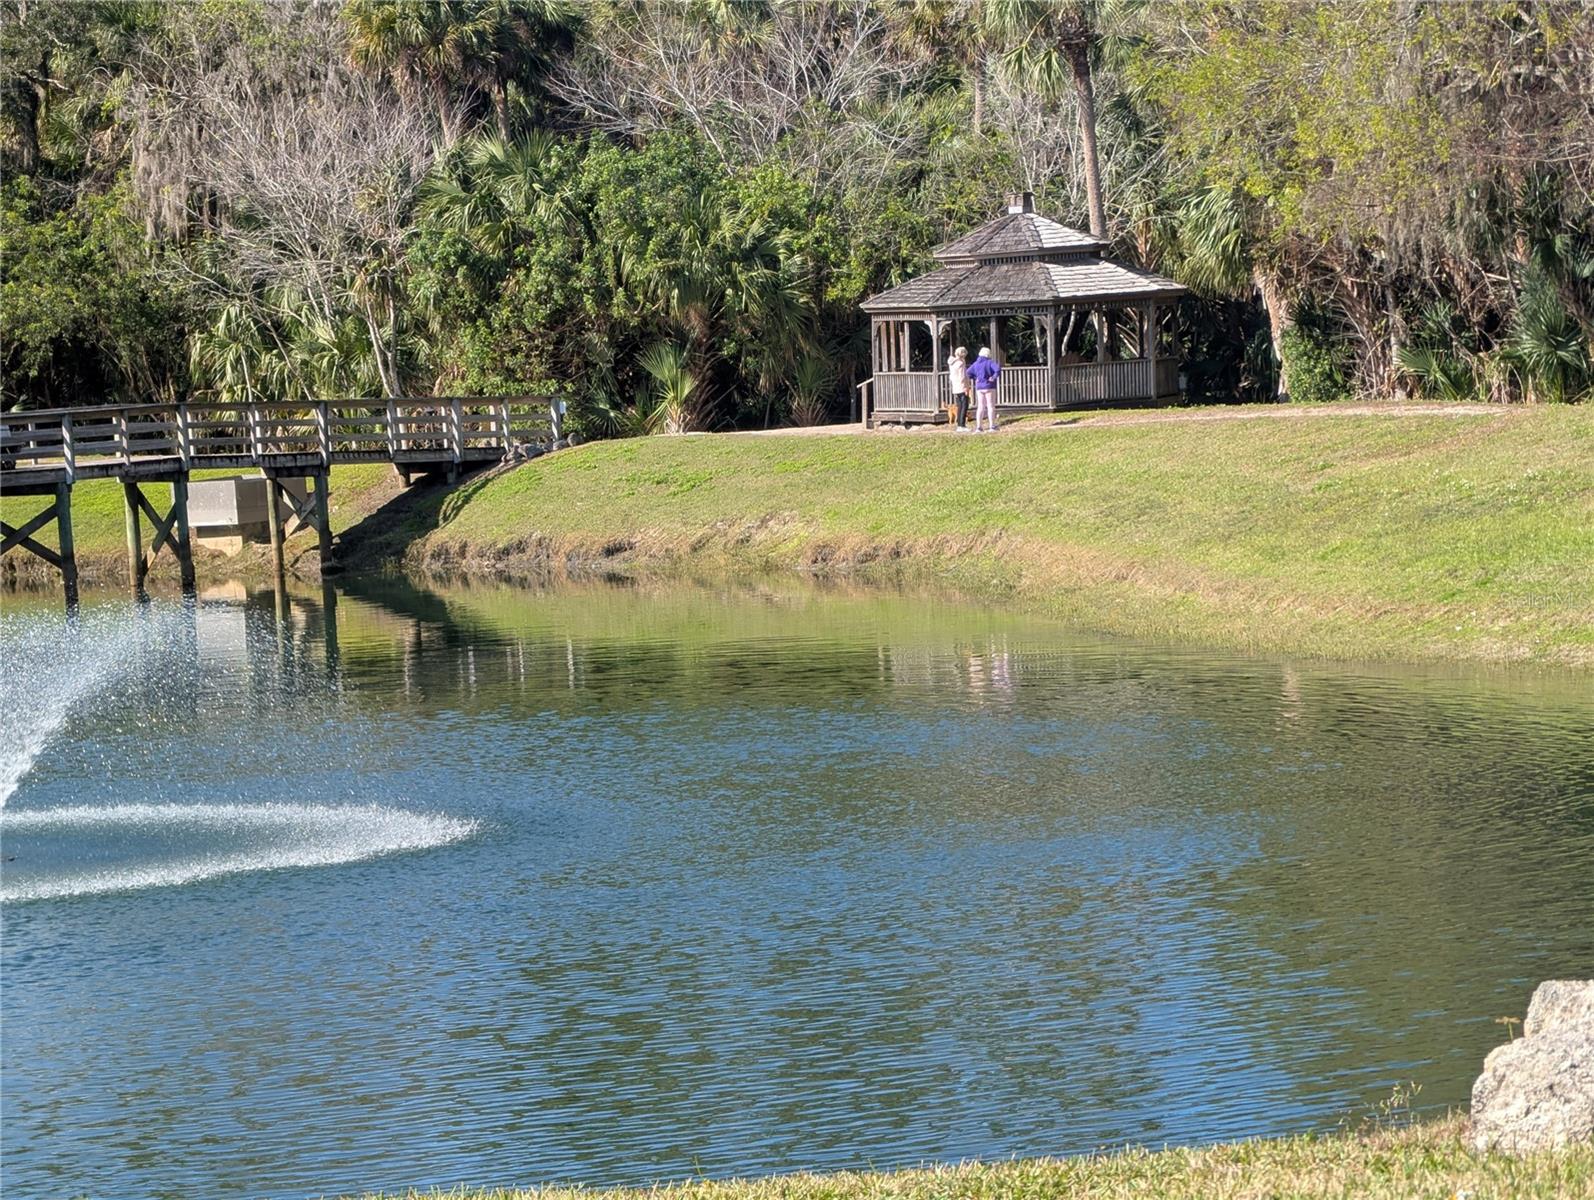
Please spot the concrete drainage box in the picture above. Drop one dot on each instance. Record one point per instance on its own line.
(224, 514)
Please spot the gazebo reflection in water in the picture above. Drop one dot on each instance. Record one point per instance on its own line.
(1070, 328)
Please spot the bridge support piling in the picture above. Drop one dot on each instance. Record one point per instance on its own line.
(63, 529)
(323, 517)
(184, 546)
(136, 566)
(274, 526)
(63, 559)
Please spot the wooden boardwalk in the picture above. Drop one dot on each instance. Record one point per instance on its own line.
(46, 451)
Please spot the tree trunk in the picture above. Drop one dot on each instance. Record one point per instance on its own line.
(1279, 322)
(1079, 60)
(28, 123)
(501, 106)
(379, 352)
(34, 94)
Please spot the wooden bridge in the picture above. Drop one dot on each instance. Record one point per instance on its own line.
(46, 451)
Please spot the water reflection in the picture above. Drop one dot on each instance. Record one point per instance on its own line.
(767, 878)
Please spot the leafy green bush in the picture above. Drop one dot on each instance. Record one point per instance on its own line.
(1316, 361)
(86, 319)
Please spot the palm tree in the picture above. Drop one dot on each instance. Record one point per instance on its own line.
(1050, 45)
(956, 29)
(422, 45)
(441, 47)
(1219, 252)
(676, 408)
(491, 190)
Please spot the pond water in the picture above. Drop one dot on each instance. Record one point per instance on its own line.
(613, 884)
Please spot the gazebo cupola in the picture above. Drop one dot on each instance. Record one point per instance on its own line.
(1070, 328)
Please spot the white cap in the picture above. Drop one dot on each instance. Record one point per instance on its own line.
(985, 352)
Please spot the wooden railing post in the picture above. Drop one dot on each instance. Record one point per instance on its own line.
(456, 431)
(253, 416)
(68, 450)
(392, 430)
(503, 426)
(185, 448)
(323, 429)
(121, 435)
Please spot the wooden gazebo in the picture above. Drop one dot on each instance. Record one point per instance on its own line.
(1070, 328)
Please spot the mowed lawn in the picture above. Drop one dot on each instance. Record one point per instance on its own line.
(1429, 536)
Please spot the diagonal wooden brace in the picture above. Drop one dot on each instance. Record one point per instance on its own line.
(19, 537)
(14, 537)
(160, 527)
(301, 515)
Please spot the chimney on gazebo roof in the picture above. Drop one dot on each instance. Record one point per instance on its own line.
(1021, 202)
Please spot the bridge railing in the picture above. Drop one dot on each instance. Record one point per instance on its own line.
(424, 430)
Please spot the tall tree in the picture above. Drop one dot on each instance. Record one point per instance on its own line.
(1050, 43)
(312, 170)
(449, 50)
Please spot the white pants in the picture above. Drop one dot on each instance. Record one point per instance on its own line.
(985, 408)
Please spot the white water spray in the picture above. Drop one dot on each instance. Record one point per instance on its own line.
(107, 665)
(50, 666)
(192, 842)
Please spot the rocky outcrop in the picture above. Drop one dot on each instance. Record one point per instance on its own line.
(1561, 1004)
(1537, 1092)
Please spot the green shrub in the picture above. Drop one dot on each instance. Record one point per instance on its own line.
(1315, 361)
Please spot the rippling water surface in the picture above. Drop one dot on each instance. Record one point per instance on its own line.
(614, 885)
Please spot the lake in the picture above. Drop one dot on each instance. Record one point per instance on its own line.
(612, 884)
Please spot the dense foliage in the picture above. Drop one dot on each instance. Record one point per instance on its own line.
(669, 212)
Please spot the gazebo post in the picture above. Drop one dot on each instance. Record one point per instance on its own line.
(996, 340)
(935, 359)
(1051, 357)
(1173, 341)
(1148, 345)
(1100, 318)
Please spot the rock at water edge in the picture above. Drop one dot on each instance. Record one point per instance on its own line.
(1537, 1092)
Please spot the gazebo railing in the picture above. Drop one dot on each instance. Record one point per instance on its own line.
(1093, 383)
(1024, 387)
(923, 393)
(908, 391)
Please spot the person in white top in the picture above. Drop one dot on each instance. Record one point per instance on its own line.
(957, 379)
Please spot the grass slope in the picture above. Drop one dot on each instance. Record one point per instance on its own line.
(1436, 536)
(1427, 1162)
(1454, 536)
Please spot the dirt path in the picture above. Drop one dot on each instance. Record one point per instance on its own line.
(1037, 423)
(1273, 412)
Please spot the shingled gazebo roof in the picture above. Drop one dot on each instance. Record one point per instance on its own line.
(1017, 233)
(1019, 261)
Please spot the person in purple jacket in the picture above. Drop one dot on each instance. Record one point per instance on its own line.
(984, 371)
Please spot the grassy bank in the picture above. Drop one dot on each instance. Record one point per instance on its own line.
(1429, 537)
(1456, 536)
(1428, 1162)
